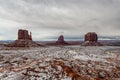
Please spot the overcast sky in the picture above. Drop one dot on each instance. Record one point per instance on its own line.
(50, 18)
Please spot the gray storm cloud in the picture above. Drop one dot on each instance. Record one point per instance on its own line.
(48, 18)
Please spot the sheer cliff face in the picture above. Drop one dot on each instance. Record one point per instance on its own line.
(24, 40)
(91, 39)
(23, 34)
(61, 38)
(91, 36)
(61, 41)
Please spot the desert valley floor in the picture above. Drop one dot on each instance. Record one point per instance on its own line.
(60, 63)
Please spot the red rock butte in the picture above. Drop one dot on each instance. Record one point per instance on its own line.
(91, 36)
(61, 41)
(91, 39)
(24, 40)
(23, 34)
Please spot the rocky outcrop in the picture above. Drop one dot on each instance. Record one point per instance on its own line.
(91, 36)
(61, 38)
(61, 41)
(23, 43)
(24, 40)
(91, 39)
(23, 34)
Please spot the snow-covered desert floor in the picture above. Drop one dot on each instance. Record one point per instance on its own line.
(60, 63)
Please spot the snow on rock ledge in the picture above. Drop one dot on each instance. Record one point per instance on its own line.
(64, 63)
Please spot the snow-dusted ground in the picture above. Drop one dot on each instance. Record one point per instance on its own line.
(60, 63)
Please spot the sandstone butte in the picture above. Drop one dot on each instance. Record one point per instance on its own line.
(61, 41)
(91, 39)
(24, 40)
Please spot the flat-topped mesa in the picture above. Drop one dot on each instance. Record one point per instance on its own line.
(91, 36)
(23, 34)
(24, 40)
(91, 39)
(61, 41)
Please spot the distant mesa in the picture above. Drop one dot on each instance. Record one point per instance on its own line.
(61, 38)
(91, 39)
(61, 41)
(23, 34)
(24, 40)
(91, 36)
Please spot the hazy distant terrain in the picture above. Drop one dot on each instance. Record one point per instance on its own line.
(72, 42)
(60, 63)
